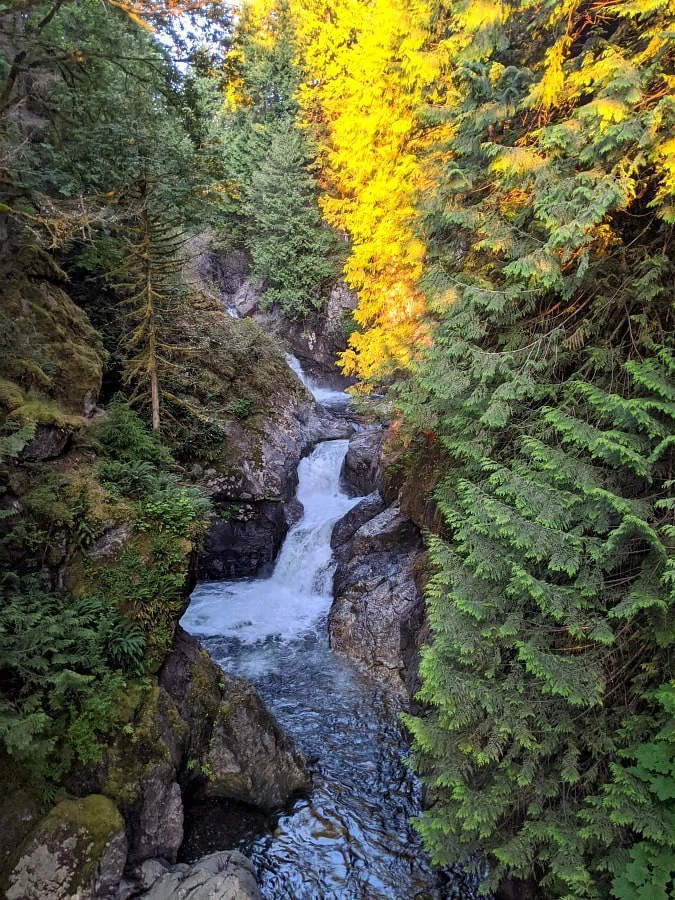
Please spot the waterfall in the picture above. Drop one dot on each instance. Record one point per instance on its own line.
(351, 838)
(298, 591)
(323, 395)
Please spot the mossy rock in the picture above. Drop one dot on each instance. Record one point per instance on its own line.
(51, 358)
(149, 741)
(78, 850)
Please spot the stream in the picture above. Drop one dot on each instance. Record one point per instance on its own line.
(350, 839)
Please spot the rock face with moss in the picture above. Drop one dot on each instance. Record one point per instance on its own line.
(316, 340)
(235, 747)
(51, 358)
(77, 850)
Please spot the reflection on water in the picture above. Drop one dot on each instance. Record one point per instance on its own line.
(351, 838)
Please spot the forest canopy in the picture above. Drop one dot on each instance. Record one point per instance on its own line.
(496, 182)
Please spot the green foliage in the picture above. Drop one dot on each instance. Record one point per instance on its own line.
(62, 662)
(169, 519)
(123, 438)
(640, 797)
(550, 383)
(268, 166)
(13, 443)
(240, 409)
(294, 253)
(172, 507)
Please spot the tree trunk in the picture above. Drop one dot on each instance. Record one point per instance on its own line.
(154, 397)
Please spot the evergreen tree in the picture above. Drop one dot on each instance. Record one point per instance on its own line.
(550, 383)
(269, 165)
(293, 252)
(151, 279)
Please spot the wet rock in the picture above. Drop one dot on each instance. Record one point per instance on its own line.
(236, 749)
(357, 516)
(227, 875)
(376, 613)
(321, 337)
(250, 521)
(249, 757)
(293, 511)
(388, 532)
(360, 471)
(78, 850)
(243, 539)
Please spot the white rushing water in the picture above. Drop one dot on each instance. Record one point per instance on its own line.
(350, 839)
(323, 395)
(298, 591)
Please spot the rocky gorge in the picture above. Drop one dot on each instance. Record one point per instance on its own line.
(188, 731)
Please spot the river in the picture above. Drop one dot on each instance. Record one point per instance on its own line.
(351, 838)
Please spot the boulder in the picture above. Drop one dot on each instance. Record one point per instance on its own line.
(227, 875)
(249, 757)
(377, 612)
(243, 539)
(78, 850)
(49, 442)
(236, 749)
(358, 515)
(360, 471)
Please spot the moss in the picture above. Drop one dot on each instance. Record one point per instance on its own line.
(136, 749)
(11, 395)
(65, 849)
(48, 350)
(96, 816)
(45, 412)
(140, 746)
(244, 369)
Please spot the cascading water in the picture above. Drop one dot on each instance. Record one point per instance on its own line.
(351, 838)
(325, 396)
(289, 602)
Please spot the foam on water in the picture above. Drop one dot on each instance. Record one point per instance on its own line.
(298, 592)
(323, 395)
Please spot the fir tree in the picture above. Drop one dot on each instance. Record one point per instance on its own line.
(551, 382)
(293, 252)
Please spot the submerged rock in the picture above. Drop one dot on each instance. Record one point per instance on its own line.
(227, 875)
(376, 614)
(78, 850)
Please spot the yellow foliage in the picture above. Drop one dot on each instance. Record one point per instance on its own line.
(664, 159)
(366, 69)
